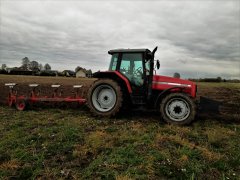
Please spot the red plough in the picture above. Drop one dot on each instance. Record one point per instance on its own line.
(34, 96)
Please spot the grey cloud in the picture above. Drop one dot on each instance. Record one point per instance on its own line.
(211, 31)
(70, 33)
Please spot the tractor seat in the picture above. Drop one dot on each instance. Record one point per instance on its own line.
(77, 86)
(33, 85)
(55, 85)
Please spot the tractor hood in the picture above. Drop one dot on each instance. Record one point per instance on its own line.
(165, 82)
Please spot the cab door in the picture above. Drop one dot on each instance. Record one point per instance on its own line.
(132, 67)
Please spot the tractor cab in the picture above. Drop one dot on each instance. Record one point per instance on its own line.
(131, 63)
(136, 65)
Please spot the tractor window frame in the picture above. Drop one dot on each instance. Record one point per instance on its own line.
(143, 65)
(147, 64)
(112, 61)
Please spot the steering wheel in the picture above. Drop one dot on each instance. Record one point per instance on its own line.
(123, 70)
(138, 71)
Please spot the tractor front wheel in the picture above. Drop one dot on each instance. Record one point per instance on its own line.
(104, 98)
(178, 108)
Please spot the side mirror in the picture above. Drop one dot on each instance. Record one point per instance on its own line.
(158, 64)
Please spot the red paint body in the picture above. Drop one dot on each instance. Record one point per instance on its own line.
(165, 82)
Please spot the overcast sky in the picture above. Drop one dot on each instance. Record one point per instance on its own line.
(194, 38)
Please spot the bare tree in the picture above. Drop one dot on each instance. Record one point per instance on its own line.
(40, 66)
(47, 67)
(25, 63)
(78, 68)
(4, 66)
(219, 79)
(176, 75)
(34, 65)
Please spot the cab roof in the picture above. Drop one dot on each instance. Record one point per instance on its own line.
(128, 51)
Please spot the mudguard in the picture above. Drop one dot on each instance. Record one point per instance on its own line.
(164, 92)
(116, 76)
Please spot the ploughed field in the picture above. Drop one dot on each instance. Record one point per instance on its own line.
(45, 85)
(69, 143)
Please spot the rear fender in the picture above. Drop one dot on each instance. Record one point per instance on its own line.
(117, 76)
(167, 91)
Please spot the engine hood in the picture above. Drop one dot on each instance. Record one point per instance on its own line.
(164, 82)
(171, 81)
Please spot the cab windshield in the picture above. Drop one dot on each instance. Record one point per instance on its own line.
(132, 67)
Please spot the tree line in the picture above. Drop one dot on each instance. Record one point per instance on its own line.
(35, 68)
(26, 64)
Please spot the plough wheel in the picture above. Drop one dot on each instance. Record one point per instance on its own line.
(10, 101)
(21, 105)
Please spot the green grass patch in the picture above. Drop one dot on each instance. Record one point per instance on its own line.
(62, 144)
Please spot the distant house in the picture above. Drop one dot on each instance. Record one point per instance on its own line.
(9, 70)
(84, 73)
(19, 71)
(81, 73)
(69, 73)
(48, 73)
(3, 71)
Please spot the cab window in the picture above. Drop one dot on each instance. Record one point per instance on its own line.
(147, 66)
(113, 64)
(132, 67)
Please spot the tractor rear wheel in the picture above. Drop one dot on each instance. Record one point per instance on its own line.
(178, 108)
(104, 98)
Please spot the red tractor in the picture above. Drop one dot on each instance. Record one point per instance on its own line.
(130, 80)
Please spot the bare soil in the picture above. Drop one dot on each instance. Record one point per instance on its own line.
(45, 85)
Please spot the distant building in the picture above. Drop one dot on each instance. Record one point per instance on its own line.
(3, 71)
(81, 73)
(84, 73)
(9, 70)
(47, 73)
(19, 71)
(69, 73)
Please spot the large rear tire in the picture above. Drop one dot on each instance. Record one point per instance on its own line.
(178, 108)
(104, 98)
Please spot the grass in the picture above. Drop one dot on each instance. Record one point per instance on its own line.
(71, 144)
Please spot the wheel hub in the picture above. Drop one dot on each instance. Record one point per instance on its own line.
(177, 109)
(104, 98)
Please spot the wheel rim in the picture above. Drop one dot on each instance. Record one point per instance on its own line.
(21, 105)
(104, 98)
(177, 109)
